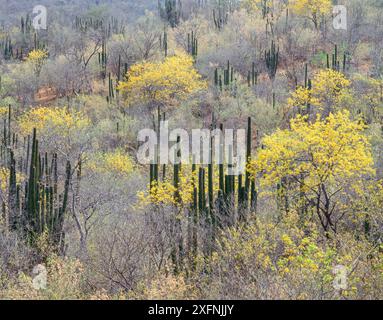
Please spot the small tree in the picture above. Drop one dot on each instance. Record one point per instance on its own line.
(327, 92)
(322, 162)
(312, 9)
(157, 84)
(38, 59)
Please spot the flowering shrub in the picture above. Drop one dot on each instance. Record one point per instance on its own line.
(329, 90)
(288, 260)
(52, 120)
(162, 82)
(313, 9)
(37, 58)
(116, 162)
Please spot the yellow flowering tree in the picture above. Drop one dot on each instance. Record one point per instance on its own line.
(162, 83)
(37, 58)
(323, 161)
(330, 87)
(58, 119)
(313, 9)
(116, 162)
(58, 127)
(329, 90)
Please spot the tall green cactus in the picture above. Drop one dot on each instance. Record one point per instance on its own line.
(192, 48)
(170, 11)
(26, 24)
(224, 79)
(7, 48)
(221, 14)
(272, 60)
(103, 59)
(164, 43)
(335, 61)
(252, 76)
(111, 93)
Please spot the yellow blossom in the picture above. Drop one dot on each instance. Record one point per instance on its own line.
(59, 120)
(37, 58)
(329, 89)
(311, 8)
(162, 82)
(118, 162)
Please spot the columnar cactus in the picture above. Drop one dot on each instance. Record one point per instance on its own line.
(35, 205)
(192, 45)
(252, 76)
(211, 209)
(164, 43)
(170, 11)
(272, 60)
(103, 59)
(221, 13)
(225, 79)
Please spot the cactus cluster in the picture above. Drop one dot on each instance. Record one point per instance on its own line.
(225, 79)
(192, 45)
(37, 195)
(37, 43)
(335, 62)
(272, 60)
(222, 10)
(10, 49)
(252, 76)
(210, 210)
(108, 27)
(265, 5)
(170, 11)
(220, 16)
(200, 4)
(119, 73)
(6, 48)
(25, 24)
